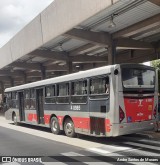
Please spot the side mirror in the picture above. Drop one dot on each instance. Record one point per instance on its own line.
(116, 72)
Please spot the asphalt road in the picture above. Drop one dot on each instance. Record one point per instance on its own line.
(25, 140)
(16, 143)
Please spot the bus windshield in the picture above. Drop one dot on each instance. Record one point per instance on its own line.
(138, 78)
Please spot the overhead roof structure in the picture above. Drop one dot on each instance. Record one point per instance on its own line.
(69, 36)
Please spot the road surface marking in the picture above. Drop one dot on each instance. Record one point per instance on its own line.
(71, 154)
(113, 148)
(150, 141)
(54, 163)
(143, 145)
(98, 150)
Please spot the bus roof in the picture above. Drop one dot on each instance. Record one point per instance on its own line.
(65, 78)
(69, 77)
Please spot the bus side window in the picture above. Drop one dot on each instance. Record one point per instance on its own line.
(9, 100)
(99, 85)
(63, 89)
(79, 91)
(32, 99)
(50, 91)
(50, 94)
(107, 85)
(84, 87)
(63, 93)
(27, 99)
(14, 100)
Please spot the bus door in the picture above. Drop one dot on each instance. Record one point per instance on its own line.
(21, 106)
(98, 104)
(40, 103)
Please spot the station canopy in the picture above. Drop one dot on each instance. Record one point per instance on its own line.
(69, 36)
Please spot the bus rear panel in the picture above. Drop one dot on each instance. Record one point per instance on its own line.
(137, 99)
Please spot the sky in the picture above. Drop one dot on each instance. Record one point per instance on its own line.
(15, 14)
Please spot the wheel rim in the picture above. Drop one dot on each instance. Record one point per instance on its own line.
(69, 128)
(54, 126)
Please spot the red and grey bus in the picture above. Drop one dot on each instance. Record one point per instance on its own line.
(107, 101)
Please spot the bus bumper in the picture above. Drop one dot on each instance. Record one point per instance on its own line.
(129, 128)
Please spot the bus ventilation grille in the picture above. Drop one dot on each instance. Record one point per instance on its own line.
(97, 126)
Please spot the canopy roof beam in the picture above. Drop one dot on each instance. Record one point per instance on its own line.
(96, 38)
(138, 27)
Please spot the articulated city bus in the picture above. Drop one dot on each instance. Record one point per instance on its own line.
(107, 101)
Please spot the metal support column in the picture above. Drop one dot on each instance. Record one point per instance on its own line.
(2, 88)
(112, 52)
(24, 78)
(69, 65)
(43, 72)
(12, 82)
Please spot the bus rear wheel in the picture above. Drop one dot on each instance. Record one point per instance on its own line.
(69, 128)
(55, 128)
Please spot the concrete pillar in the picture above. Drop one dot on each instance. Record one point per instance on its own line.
(78, 67)
(111, 54)
(132, 53)
(94, 65)
(111, 51)
(59, 73)
(2, 89)
(12, 82)
(81, 67)
(24, 78)
(43, 72)
(69, 65)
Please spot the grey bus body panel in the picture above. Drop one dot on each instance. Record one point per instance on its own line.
(129, 128)
(103, 109)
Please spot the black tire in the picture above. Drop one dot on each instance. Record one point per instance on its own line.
(69, 128)
(156, 127)
(15, 119)
(55, 128)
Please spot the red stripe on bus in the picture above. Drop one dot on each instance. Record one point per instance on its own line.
(108, 125)
(35, 117)
(80, 122)
(47, 119)
(60, 120)
(30, 117)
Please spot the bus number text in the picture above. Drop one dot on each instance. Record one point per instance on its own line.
(75, 107)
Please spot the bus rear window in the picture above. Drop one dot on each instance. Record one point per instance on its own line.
(138, 78)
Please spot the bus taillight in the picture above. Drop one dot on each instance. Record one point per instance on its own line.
(155, 112)
(121, 114)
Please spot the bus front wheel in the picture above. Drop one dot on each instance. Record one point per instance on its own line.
(55, 128)
(69, 128)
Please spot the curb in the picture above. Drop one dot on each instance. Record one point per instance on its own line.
(151, 135)
(145, 135)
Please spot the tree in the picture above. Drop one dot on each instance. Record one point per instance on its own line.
(156, 64)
